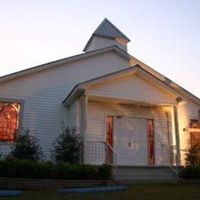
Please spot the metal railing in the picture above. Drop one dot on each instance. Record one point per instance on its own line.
(94, 152)
(113, 162)
(100, 152)
(171, 158)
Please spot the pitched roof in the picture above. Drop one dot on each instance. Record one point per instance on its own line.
(107, 29)
(45, 66)
(80, 88)
(166, 80)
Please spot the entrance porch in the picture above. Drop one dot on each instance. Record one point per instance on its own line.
(127, 119)
(124, 133)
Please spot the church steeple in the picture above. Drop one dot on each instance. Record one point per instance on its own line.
(106, 35)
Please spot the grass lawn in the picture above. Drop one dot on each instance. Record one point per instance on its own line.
(135, 192)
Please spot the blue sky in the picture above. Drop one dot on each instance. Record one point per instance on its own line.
(165, 34)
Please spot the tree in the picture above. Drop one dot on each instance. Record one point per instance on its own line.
(26, 147)
(67, 147)
(193, 155)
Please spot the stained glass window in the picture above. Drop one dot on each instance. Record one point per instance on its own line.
(9, 120)
(195, 136)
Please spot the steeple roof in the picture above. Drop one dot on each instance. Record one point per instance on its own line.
(107, 29)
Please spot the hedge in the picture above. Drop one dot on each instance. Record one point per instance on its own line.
(48, 170)
(190, 172)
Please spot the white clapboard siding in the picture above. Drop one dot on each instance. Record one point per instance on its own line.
(186, 111)
(43, 93)
(101, 42)
(97, 113)
(134, 88)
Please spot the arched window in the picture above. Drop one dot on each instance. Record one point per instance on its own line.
(9, 120)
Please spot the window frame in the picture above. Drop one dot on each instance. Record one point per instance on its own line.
(193, 122)
(21, 111)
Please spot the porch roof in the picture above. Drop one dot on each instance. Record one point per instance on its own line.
(80, 88)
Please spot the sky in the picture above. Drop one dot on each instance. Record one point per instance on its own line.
(165, 34)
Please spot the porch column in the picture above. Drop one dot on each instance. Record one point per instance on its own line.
(178, 161)
(84, 108)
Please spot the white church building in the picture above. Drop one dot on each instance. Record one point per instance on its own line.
(128, 114)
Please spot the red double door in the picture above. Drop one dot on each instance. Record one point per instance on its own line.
(133, 138)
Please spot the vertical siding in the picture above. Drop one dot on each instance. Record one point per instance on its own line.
(43, 93)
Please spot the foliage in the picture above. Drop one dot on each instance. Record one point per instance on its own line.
(105, 171)
(12, 167)
(26, 147)
(190, 172)
(193, 155)
(67, 147)
(192, 169)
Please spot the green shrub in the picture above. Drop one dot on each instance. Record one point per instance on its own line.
(192, 169)
(23, 168)
(89, 172)
(62, 170)
(193, 155)
(26, 147)
(3, 168)
(105, 172)
(67, 147)
(13, 167)
(75, 171)
(190, 172)
(45, 170)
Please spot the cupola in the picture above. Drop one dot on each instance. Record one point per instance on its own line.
(106, 35)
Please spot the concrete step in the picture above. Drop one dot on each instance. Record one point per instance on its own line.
(144, 173)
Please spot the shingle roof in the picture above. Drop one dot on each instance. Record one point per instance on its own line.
(107, 29)
(79, 88)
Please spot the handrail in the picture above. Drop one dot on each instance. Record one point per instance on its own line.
(114, 164)
(104, 142)
(114, 151)
(174, 158)
(100, 152)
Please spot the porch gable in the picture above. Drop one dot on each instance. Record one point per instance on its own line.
(133, 87)
(133, 83)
